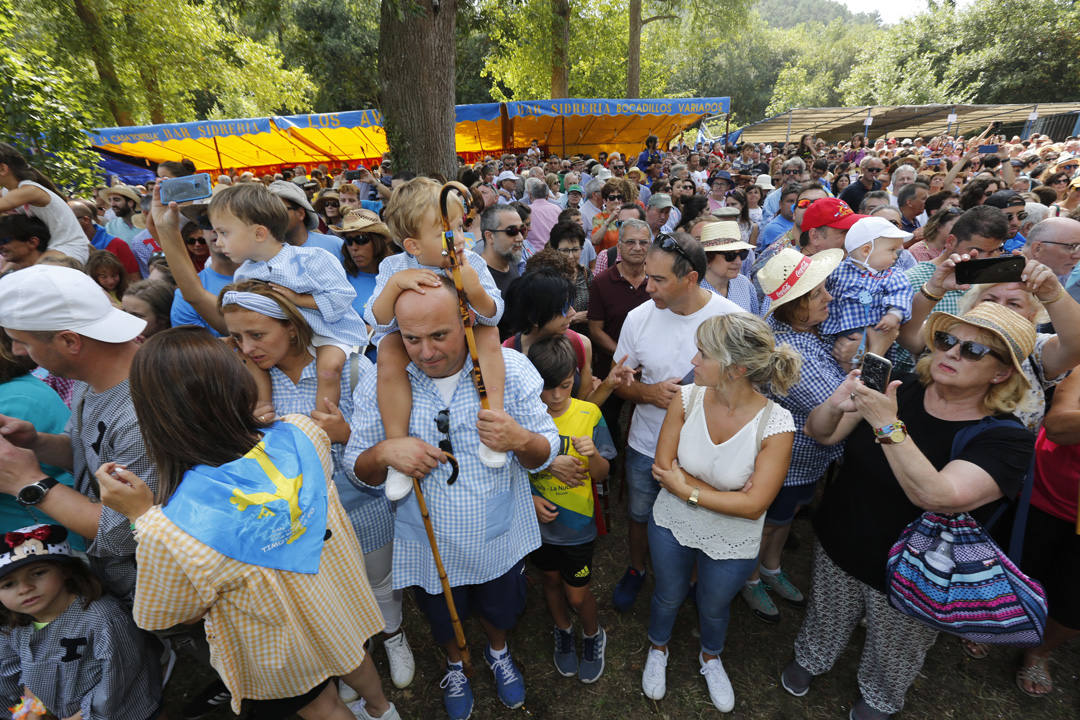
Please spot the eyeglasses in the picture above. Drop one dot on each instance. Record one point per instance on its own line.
(969, 349)
(511, 230)
(570, 251)
(442, 424)
(1061, 181)
(630, 242)
(731, 255)
(1022, 215)
(667, 243)
(359, 240)
(1073, 247)
(194, 241)
(874, 169)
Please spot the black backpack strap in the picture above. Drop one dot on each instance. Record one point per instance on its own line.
(612, 255)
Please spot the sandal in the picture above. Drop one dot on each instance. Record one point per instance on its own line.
(974, 650)
(1037, 674)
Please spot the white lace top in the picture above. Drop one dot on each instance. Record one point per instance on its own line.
(726, 466)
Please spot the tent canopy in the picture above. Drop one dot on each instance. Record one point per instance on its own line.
(565, 126)
(840, 123)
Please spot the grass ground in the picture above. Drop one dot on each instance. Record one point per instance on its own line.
(951, 685)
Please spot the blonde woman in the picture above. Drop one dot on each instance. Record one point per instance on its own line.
(721, 458)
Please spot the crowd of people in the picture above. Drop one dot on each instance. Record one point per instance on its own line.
(245, 426)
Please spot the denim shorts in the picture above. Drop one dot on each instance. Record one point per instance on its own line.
(499, 601)
(641, 487)
(787, 503)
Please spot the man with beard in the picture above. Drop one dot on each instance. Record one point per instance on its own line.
(124, 201)
(504, 237)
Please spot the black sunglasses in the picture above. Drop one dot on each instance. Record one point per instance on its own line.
(442, 424)
(969, 349)
(668, 243)
(194, 240)
(615, 197)
(361, 240)
(730, 255)
(332, 203)
(512, 230)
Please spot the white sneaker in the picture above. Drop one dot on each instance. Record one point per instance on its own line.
(720, 690)
(397, 485)
(491, 458)
(402, 665)
(346, 693)
(654, 677)
(357, 708)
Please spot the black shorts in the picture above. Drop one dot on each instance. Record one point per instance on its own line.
(1052, 556)
(499, 601)
(282, 708)
(573, 562)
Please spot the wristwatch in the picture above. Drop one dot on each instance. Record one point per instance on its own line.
(891, 434)
(34, 493)
(692, 500)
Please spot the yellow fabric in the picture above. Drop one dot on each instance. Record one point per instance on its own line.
(272, 634)
(579, 420)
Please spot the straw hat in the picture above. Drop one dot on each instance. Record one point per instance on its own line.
(1015, 331)
(125, 191)
(362, 219)
(723, 236)
(789, 274)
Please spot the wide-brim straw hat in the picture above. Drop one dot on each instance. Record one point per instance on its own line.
(1014, 330)
(723, 236)
(362, 220)
(789, 274)
(125, 191)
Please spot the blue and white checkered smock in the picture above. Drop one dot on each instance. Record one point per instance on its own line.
(367, 507)
(819, 376)
(313, 271)
(740, 291)
(861, 298)
(405, 261)
(485, 522)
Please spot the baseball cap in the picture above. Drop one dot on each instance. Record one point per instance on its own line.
(830, 212)
(50, 298)
(660, 201)
(295, 194)
(867, 229)
(1006, 199)
(575, 188)
(32, 544)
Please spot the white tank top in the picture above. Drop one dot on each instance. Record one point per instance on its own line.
(66, 235)
(726, 466)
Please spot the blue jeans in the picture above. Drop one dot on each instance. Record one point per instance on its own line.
(717, 584)
(642, 488)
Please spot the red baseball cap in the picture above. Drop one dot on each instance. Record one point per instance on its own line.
(831, 212)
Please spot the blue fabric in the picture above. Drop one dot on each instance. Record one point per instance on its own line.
(718, 582)
(485, 522)
(101, 238)
(313, 271)
(367, 507)
(861, 299)
(773, 231)
(1074, 277)
(183, 313)
(770, 208)
(1016, 242)
(642, 488)
(330, 243)
(267, 508)
(364, 285)
(740, 291)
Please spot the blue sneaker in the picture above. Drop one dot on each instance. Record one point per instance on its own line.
(565, 653)
(509, 683)
(627, 589)
(592, 657)
(457, 693)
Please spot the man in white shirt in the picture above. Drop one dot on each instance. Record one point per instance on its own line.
(659, 338)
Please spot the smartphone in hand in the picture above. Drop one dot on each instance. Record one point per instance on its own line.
(185, 189)
(875, 372)
(1007, 268)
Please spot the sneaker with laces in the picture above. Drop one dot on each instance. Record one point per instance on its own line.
(654, 676)
(359, 709)
(509, 684)
(787, 592)
(210, 699)
(566, 661)
(346, 693)
(627, 589)
(757, 597)
(592, 657)
(796, 679)
(457, 693)
(720, 690)
(402, 664)
(397, 484)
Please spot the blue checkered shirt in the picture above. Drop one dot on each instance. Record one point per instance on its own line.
(485, 522)
(405, 261)
(313, 271)
(819, 376)
(861, 298)
(740, 291)
(367, 507)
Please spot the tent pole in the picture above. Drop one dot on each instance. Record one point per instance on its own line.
(787, 138)
(221, 167)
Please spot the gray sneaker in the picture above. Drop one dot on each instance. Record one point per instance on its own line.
(757, 597)
(592, 657)
(787, 592)
(566, 661)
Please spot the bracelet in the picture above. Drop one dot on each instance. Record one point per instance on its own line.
(926, 294)
(1061, 294)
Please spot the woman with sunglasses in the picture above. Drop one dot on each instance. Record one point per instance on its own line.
(1071, 201)
(605, 228)
(898, 462)
(725, 251)
(328, 207)
(367, 243)
(1059, 183)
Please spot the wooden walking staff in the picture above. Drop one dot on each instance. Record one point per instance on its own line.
(450, 251)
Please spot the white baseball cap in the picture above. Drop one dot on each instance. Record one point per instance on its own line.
(51, 298)
(869, 229)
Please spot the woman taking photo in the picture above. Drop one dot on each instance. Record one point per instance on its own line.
(897, 464)
(247, 533)
(721, 458)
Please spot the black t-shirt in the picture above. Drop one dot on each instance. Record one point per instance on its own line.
(864, 509)
(854, 193)
(503, 279)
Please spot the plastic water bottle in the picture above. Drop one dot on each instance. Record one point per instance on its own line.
(939, 556)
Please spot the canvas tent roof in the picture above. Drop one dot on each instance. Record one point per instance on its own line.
(838, 123)
(565, 126)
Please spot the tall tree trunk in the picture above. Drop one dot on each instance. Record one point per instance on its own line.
(416, 84)
(633, 52)
(97, 38)
(148, 75)
(560, 48)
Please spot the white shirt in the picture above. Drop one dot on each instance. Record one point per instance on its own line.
(66, 235)
(662, 344)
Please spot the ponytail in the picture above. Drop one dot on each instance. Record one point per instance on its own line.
(23, 171)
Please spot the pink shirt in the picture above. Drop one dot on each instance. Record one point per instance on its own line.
(544, 216)
(921, 252)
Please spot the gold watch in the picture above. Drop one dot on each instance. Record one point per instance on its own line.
(893, 434)
(692, 500)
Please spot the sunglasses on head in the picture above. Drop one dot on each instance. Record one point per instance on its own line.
(512, 230)
(361, 239)
(731, 255)
(969, 349)
(442, 424)
(668, 243)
